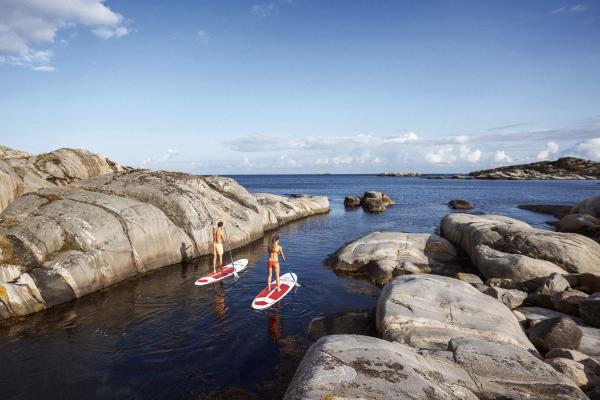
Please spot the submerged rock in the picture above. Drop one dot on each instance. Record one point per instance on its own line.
(502, 247)
(556, 210)
(458, 204)
(348, 322)
(71, 241)
(351, 201)
(383, 255)
(353, 366)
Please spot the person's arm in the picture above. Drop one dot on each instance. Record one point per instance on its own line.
(281, 252)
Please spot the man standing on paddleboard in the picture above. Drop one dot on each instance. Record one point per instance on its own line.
(218, 240)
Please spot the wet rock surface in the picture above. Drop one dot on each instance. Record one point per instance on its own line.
(382, 255)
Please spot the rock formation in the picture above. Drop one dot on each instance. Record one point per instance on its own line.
(502, 247)
(458, 204)
(21, 172)
(563, 168)
(61, 243)
(399, 174)
(382, 255)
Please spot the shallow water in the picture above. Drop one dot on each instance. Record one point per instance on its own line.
(158, 336)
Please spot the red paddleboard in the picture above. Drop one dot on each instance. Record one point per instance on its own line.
(266, 298)
(228, 270)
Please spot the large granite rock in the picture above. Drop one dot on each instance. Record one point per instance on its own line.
(376, 201)
(502, 247)
(427, 311)
(557, 332)
(361, 367)
(563, 168)
(63, 243)
(590, 341)
(590, 206)
(21, 172)
(382, 255)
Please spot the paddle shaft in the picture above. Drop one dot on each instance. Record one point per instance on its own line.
(230, 255)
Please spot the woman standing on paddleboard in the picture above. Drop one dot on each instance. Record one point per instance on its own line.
(274, 250)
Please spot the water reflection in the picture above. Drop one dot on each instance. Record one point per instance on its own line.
(274, 323)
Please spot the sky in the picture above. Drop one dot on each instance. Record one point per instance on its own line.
(303, 86)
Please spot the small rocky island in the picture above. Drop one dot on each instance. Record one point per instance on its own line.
(75, 223)
(563, 168)
(400, 174)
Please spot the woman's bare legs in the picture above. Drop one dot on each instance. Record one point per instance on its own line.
(277, 276)
(269, 279)
(214, 260)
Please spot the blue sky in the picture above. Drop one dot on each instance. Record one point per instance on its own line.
(303, 85)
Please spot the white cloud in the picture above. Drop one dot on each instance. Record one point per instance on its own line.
(550, 150)
(264, 10)
(43, 68)
(441, 155)
(169, 154)
(461, 139)
(500, 156)
(202, 36)
(589, 149)
(465, 153)
(577, 8)
(26, 24)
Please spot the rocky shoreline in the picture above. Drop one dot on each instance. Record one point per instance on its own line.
(492, 308)
(63, 241)
(563, 168)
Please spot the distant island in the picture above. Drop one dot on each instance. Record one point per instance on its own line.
(563, 168)
(399, 174)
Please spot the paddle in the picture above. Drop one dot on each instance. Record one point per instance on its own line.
(235, 274)
(290, 272)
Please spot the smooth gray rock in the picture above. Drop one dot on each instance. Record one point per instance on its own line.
(361, 367)
(511, 298)
(590, 206)
(502, 247)
(74, 240)
(22, 173)
(376, 201)
(589, 310)
(559, 332)
(351, 201)
(552, 284)
(590, 341)
(382, 255)
(427, 311)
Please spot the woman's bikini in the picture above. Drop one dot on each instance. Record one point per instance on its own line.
(273, 259)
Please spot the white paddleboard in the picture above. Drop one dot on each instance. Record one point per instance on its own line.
(266, 298)
(228, 270)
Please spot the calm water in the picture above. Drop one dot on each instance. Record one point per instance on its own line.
(158, 336)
